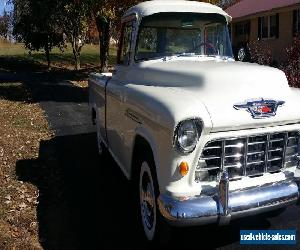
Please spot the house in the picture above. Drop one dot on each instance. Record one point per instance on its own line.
(275, 22)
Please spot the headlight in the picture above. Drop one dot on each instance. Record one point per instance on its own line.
(187, 135)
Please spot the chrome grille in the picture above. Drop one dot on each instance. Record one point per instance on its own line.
(248, 156)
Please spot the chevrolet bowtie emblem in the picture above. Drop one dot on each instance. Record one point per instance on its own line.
(260, 108)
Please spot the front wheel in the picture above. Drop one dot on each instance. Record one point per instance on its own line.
(99, 143)
(154, 227)
(243, 54)
(148, 205)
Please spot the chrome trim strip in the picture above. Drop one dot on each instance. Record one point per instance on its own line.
(204, 209)
(286, 140)
(267, 153)
(254, 163)
(223, 156)
(246, 156)
(206, 169)
(234, 146)
(275, 150)
(256, 153)
(274, 159)
(276, 140)
(210, 158)
(255, 143)
(234, 156)
(213, 147)
(239, 165)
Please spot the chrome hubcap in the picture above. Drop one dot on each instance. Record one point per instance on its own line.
(241, 54)
(147, 201)
(99, 143)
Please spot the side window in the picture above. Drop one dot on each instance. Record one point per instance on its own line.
(243, 29)
(125, 45)
(147, 46)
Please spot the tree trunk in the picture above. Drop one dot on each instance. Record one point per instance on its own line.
(76, 53)
(103, 26)
(47, 51)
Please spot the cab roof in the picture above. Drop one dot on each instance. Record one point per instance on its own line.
(162, 6)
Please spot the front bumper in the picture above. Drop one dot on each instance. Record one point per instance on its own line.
(226, 206)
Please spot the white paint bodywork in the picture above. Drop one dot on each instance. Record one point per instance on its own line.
(151, 98)
(160, 6)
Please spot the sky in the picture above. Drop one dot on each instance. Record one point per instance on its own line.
(4, 6)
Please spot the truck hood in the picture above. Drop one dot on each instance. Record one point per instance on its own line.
(219, 85)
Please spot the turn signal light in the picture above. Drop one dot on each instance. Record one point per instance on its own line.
(183, 168)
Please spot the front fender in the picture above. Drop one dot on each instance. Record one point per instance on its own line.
(157, 111)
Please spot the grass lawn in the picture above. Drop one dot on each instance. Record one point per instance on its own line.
(89, 55)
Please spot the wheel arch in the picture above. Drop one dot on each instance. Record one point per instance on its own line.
(143, 144)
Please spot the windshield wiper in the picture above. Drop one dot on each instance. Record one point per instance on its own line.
(220, 57)
(166, 58)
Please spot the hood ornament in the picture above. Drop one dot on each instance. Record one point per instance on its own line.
(260, 108)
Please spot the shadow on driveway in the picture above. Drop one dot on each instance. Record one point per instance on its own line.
(85, 202)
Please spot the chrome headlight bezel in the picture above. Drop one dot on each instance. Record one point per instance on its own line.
(198, 125)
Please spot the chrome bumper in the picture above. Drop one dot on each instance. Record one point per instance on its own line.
(226, 206)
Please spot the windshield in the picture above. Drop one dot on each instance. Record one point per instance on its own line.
(183, 34)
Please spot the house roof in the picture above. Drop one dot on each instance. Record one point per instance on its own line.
(250, 7)
(160, 6)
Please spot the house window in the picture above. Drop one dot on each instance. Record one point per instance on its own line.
(268, 26)
(296, 22)
(242, 29)
(273, 26)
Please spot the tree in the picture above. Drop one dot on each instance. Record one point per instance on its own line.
(215, 2)
(227, 3)
(107, 14)
(36, 25)
(92, 33)
(102, 15)
(73, 16)
(4, 25)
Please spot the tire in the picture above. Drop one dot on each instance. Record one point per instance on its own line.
(241, 54)
(155, 229)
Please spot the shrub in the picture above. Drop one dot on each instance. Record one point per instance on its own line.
(292, 66)
(260, 53)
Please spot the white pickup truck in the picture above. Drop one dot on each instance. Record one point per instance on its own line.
(206, 139)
